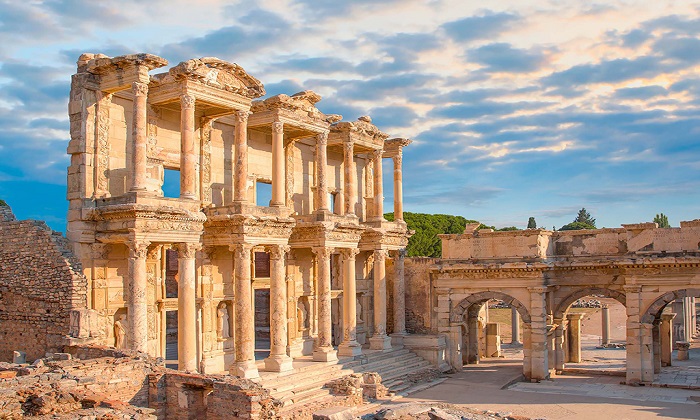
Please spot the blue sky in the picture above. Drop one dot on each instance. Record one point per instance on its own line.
(517, 109)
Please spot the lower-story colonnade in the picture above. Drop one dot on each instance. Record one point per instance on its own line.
(541, 274)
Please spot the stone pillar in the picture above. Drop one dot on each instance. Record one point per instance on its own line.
(139, 136)
(538, 333)
(399, 294)
(666, 338)
(321, 164)
(278, 171)
(472, 349)
(324, 351)
(349, 347)
(188, 174)
(514, 325)
(245, 366)
(559, 354)
(379, 340)
(493, 339)
(656, 340)
(278, 361)
(688, 321)
(605, 314)
(137, 302)
(527, 351)
(240, 193)
(350, 177)
(574, 338)
(378, 185)
(186, 308)
(639, 363)
(683, 350)
(398, 186)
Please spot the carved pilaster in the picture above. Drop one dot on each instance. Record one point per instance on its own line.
(102, 147)
(321, 164)
(205, 161)
(289, 175)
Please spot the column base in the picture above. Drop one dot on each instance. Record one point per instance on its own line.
(246, 369)
(349, 349)
(397, 339)
(279, 363)
(296, 348)
(325, 354)
(381, 342)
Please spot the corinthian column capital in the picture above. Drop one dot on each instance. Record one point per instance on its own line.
(139, 88)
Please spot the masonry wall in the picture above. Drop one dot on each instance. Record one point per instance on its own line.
(40, 282)
(419, 305)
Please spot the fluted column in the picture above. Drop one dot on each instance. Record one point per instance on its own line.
(241, 180)
(378, 185)
(399, 293)
(137, 303)
(398, 186)
(321, 165)
(245, 322)
(379, 340)
(186, 308)
(277, 164)
(139, 136)
(278, 361)
(350, 176)
(349, 346)
(324, 351)
(187, 155)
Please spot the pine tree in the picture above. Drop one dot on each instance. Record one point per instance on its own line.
(531, 224)
(585, 217)
(662, 220)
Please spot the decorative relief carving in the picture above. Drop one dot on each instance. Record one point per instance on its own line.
(205, 161)
(138, 249)
(139, 89)
(100, 251)
(289, 175)
(102, 147)
(323, 252)
(187, 101)
(277, 127)
(188, 250)
(277, 252)
(380, 255)
(322, 138)
(349, 253)
(242, 117)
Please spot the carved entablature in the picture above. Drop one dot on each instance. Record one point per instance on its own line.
(329, 234)
(395, 237)
(393, 147)
(361, 132)
(298, 113)
(484, 274)
(118, 73)
(238, 228)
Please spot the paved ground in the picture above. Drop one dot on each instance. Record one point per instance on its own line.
(569, 397)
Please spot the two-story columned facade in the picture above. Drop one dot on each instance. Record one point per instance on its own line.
(195, 269)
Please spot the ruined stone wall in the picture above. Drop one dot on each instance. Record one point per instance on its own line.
(40, 282)
(419, 305)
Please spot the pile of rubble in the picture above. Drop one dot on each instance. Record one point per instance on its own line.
(436, 411)
(587, 303)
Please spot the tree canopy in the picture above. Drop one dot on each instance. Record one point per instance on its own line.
(531, 223)
(425, 243)
(584, 216)
(662, 220)
(577, 226)
(2, 202)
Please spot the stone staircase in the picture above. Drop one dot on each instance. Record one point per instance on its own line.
(305, 383)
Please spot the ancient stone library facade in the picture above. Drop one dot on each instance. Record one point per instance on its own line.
(210, 266)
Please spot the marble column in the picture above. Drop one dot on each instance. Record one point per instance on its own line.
(350, 177)
(349, 347)
(666, 338)
(245, 366)
(514, 326)
(538, 333)
(574, 337)
(605, 317)
(186, 308)
(188, 174)
(324, 351)
(399, 294)
(137, 302)
(379, 340)
(688, 320)
(240, 184)
(321, 167)
(139, 136)
(278, 171)
(378, 185)
(398, 186)
(278, 361)
(559, 353)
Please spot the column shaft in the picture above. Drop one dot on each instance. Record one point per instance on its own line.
(349, 346)
(399, 293)
(574, 337)
(538, 333)
(139, 136)
(350, 175)
(137, 304)
(515, 326)
(605, 315)
(324, 351)
(245, 366)
(666, 338)
(186, 308)
(321, 164)
(378, 185)
(379, 340)
(278, 361)
(277, 164)
(559, 345)
(240, 193)
(187, 155)
(398, 187)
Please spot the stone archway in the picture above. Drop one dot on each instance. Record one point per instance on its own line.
(654, 310)
(581, 293)
(457, 313)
